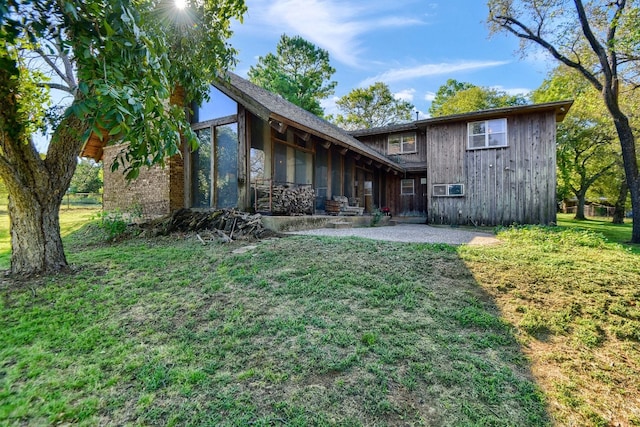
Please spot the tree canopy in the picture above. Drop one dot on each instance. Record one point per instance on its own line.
(87, 177)
(598, 39)
(120, 61)
(456, 97)
(586, 153)
(375, 106)
(299, 71)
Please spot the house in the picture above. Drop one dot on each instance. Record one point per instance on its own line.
(490, 167)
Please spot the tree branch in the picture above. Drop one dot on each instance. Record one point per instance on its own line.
(512, 25)
(56, 86)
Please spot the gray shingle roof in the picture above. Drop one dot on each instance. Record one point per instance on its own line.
(269, 106)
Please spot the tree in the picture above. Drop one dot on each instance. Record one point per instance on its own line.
(455, 98)
(445, 92)
(603, 47)
(87, 177)
(371, 107)
(586, 153)
(299, 71)
(120, 61)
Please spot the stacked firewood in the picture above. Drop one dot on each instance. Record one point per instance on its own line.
(226, 224)
(286, 200)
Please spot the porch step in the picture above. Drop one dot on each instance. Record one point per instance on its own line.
(339, 224)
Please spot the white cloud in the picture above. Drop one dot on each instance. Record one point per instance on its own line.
(429, 96)
(512, 91)
(329, 106)
(405, 95)
(425, 70)
(330, 24)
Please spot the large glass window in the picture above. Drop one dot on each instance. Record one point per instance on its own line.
(292, 166)
(402, 144)
(201, 170)
(487, 134)
(226, 165)
(214, 167)
(218, 105)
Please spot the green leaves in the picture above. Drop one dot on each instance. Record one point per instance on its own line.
(299, 71)
(461, 97)
(374, 106)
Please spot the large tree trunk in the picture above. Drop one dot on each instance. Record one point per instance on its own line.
(35, 234)
(581, 196)
(621, 202)
(36, 189)
(627, 142)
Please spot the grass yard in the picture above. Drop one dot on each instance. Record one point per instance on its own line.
(619, 233)
(543, 329)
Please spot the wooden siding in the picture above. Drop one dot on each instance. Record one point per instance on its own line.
(514, 184)
(379, 144)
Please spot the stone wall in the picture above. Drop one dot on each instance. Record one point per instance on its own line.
(156, 191)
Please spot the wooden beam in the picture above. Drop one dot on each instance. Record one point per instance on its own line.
(368, 161)
(278, 126)
(305, 136)
(378, 165)
(344, 151)
(388, 168)
(357, 157)
(326, 144)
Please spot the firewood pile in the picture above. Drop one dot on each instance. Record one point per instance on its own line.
(223, 224)
(285, 200)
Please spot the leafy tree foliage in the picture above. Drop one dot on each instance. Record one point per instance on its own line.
(461, 97)
(586, 154)
(371, 107)
(601, 41)
(299, 71)
(120, 61)
(87, 177)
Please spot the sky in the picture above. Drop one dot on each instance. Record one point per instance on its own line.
(414, 46)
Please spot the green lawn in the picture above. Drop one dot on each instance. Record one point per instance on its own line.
(542, 329)
(619, 233)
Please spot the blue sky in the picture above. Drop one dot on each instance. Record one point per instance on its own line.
(412, 45)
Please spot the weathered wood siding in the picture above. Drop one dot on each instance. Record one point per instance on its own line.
(390, 196)
(514, 184)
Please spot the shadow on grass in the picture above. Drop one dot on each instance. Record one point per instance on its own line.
(300, 331)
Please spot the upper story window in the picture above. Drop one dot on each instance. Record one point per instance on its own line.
(402, 144)
(488, 134)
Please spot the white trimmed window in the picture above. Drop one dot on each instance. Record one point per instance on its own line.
(402, 144)
(448, 190)
(487, 134)
(406, 187)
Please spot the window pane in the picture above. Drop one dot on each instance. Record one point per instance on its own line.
(439, 190)
(455, 189)
(476, 141)
(280, 164)
(497, 139)
(477, 128)
(201, 170)
(497, 126)
(218, 105)
(394, 145)
(406, 187)
(336, 173)
(409, 144)
(227, 166)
